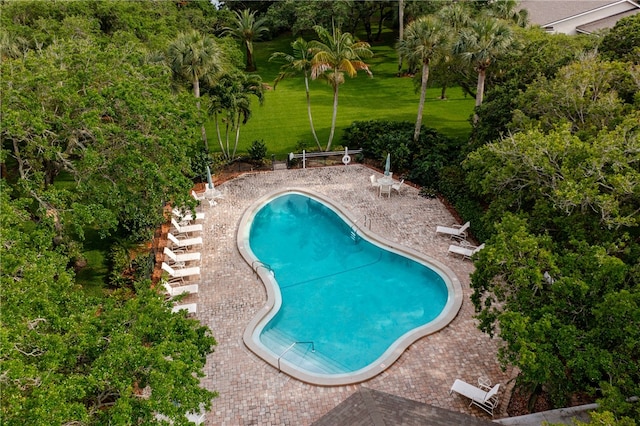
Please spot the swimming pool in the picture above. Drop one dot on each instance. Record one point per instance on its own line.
(342, 303)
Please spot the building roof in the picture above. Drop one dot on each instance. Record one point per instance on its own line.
(370, 407)
(547, 13)
(608, 22)
(544, 12)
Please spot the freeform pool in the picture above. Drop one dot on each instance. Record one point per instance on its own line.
(342, 303)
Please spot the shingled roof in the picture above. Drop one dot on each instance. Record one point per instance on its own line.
(589, 15)
(370, 407)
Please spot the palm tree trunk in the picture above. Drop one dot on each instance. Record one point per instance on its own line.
(400, 31)
(250, 66)
(203, 131)
(443, 92)
(215, 116)
(335, 114)
(313, 130)
(423, 95)
(479, 91)
(235, 146)
(226, 132)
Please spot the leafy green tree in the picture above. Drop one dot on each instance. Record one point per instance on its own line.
(194, 57)
(553, 286)
(247, 29)
(104, 123)
(425, 41)
(622, 42)
(594, 184)
(300, 17)
(548, 305)
(584, 94)
(68, 358)
(335, 54)
(298, 62)
(481, 43)
(541, 55)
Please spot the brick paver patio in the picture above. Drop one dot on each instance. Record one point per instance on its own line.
(254, 393)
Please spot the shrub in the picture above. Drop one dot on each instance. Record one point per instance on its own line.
(257, 151)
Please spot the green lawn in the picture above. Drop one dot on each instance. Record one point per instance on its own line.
(282, 121)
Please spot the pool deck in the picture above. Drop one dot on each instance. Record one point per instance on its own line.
(252, 392)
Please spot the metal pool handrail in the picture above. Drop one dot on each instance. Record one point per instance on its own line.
(313, 349)
(355, 227)
(258, 263)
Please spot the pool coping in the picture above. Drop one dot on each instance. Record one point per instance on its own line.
(273, 302)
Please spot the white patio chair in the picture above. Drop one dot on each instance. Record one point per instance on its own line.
(397, 186)
(202, 197)
(183, 289)
(484, 397)
(374, 181)
(186, 229)
(385, 189)
(191, 308)
(458, 232)
(465, 251)
(184, 242)
(181, 272)
(180, 259)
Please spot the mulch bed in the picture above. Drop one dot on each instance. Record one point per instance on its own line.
(519, 402)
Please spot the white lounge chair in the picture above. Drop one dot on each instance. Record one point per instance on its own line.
(484, 397)
(180, 259)
(186, 229)
(184, 242)
(465, 251)
(181, 272)
(183, 289)
(459, 232)
(197, 418)
(397, 186)
(187, 216)
(191, 308)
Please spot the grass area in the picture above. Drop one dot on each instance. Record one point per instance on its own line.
(93, 276)
(283, 121)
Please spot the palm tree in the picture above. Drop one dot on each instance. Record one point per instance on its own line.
(454, 17)
(335, 54)
(300, 61)
(480, 43)
(230, 104)
(193, 58)
(425, 41)
(508, 10)
(247, 29)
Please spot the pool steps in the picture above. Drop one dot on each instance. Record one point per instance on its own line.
(300, 355)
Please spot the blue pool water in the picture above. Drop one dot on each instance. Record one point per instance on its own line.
(351, 298)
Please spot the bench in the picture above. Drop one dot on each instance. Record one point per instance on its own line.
(346, 156)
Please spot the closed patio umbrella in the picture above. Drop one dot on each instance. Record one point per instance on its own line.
(387, 165)
(209, 179)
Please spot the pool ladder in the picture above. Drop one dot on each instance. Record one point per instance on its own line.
(259, 264)
(366, 222)
(313, 349)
